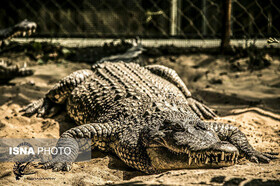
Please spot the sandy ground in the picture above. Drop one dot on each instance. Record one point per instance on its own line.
(249, 100)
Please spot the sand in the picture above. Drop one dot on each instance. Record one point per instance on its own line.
(249, 100)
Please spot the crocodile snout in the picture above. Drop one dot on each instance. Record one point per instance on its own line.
(224, 146)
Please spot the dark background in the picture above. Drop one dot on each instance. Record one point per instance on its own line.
(123, 18)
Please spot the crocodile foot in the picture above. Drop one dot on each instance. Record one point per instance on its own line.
(58, 166)
(42, 107)
(262, 157)
(200, 109)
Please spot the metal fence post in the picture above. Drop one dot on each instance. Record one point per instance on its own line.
(226, 26)
(175, 24)
(204, 10)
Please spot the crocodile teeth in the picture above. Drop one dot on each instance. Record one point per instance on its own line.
(233, 156)
(207, 160)
(236, 159)
(223, 156)
(190, 160)
(23, 33)
(217, 159)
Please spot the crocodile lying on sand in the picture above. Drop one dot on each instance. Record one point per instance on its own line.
(146, 116)
(8, 71)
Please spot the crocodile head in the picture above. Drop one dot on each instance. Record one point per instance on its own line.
(187, 144)
(25, 27)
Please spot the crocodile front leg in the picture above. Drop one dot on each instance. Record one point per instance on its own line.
(170, 75)
(101, 134)
(106, 137)
(232, 134)
(48, 106)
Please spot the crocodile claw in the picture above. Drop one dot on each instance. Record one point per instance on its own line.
(32, 108)
(58, 166)
(42, 107)
(262, 157)
(200, 109)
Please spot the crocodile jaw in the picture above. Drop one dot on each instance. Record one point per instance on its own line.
(164, 159)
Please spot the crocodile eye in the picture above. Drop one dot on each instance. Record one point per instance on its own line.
(173, 126)
(177, 127)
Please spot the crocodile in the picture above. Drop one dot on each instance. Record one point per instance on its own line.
(7, 70)
(144, 115)
(23, 28)
(133, 54)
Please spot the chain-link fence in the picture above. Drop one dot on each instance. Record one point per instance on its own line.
(188, 19)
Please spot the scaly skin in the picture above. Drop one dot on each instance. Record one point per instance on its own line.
(22, 28)
(8, 72)
(132, 54)
(145, 115)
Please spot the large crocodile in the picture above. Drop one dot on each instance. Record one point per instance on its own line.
(145, 115)
(8, 71)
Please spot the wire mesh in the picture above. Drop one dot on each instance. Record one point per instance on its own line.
(187, 19)
(256, 18)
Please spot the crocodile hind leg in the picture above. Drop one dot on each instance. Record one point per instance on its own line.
(51, 103)
(170, 75)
